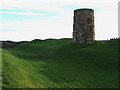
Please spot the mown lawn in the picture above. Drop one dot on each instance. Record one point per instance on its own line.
(60, 63)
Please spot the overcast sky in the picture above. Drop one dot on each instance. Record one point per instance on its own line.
(42, 19)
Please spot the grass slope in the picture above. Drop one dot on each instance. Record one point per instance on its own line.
(0, 68)
(61, 64)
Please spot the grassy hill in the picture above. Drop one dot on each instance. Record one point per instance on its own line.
(60, 63)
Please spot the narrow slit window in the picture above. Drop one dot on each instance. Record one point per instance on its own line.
(89, 20)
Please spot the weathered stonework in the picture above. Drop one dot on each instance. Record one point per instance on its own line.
(83, 28)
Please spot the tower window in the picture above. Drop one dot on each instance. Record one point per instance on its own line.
(89, 20)
(91, 28)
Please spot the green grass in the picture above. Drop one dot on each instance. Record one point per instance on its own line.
(60, 63)
(0, 68)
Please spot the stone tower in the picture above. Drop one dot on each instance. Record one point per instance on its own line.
(83, 27)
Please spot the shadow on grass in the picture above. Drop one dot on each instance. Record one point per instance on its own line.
(76, 65)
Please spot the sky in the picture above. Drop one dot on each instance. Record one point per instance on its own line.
(25, 20)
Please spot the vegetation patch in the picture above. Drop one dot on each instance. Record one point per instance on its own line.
(60, 63)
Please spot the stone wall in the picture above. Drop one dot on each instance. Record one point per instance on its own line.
(83, 27)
